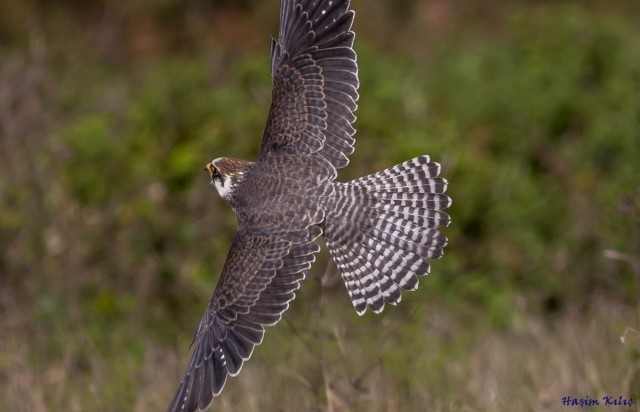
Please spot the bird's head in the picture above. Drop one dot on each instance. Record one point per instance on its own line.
(226, 173)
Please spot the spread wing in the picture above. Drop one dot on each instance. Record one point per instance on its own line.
(259, 279)
(315, 81)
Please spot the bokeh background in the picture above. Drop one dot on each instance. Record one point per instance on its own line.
(111, 239)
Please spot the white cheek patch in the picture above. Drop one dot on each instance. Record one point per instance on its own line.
(223, 188)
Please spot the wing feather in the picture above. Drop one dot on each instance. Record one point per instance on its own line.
(259, 279)
(315, 82)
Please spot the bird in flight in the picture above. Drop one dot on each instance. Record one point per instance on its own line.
(379, 229)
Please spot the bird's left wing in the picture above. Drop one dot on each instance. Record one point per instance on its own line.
(315, 81)
(259, 279)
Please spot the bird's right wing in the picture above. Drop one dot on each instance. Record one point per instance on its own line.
(259, 279)
(315, 82)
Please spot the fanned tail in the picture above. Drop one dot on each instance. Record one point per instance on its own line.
(380, 229)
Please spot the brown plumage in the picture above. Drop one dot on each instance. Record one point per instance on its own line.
(379, 229)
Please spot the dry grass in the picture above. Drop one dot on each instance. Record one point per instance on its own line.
(446, 361)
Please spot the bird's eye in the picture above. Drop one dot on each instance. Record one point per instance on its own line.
(213, 171)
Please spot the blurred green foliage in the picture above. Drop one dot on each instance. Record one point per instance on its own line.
(112, 238)
(551, 129)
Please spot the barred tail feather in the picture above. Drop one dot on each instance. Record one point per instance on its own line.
(381, 228)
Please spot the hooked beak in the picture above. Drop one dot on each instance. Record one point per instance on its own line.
(209, 168)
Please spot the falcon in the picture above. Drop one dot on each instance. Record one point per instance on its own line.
(380, 229)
